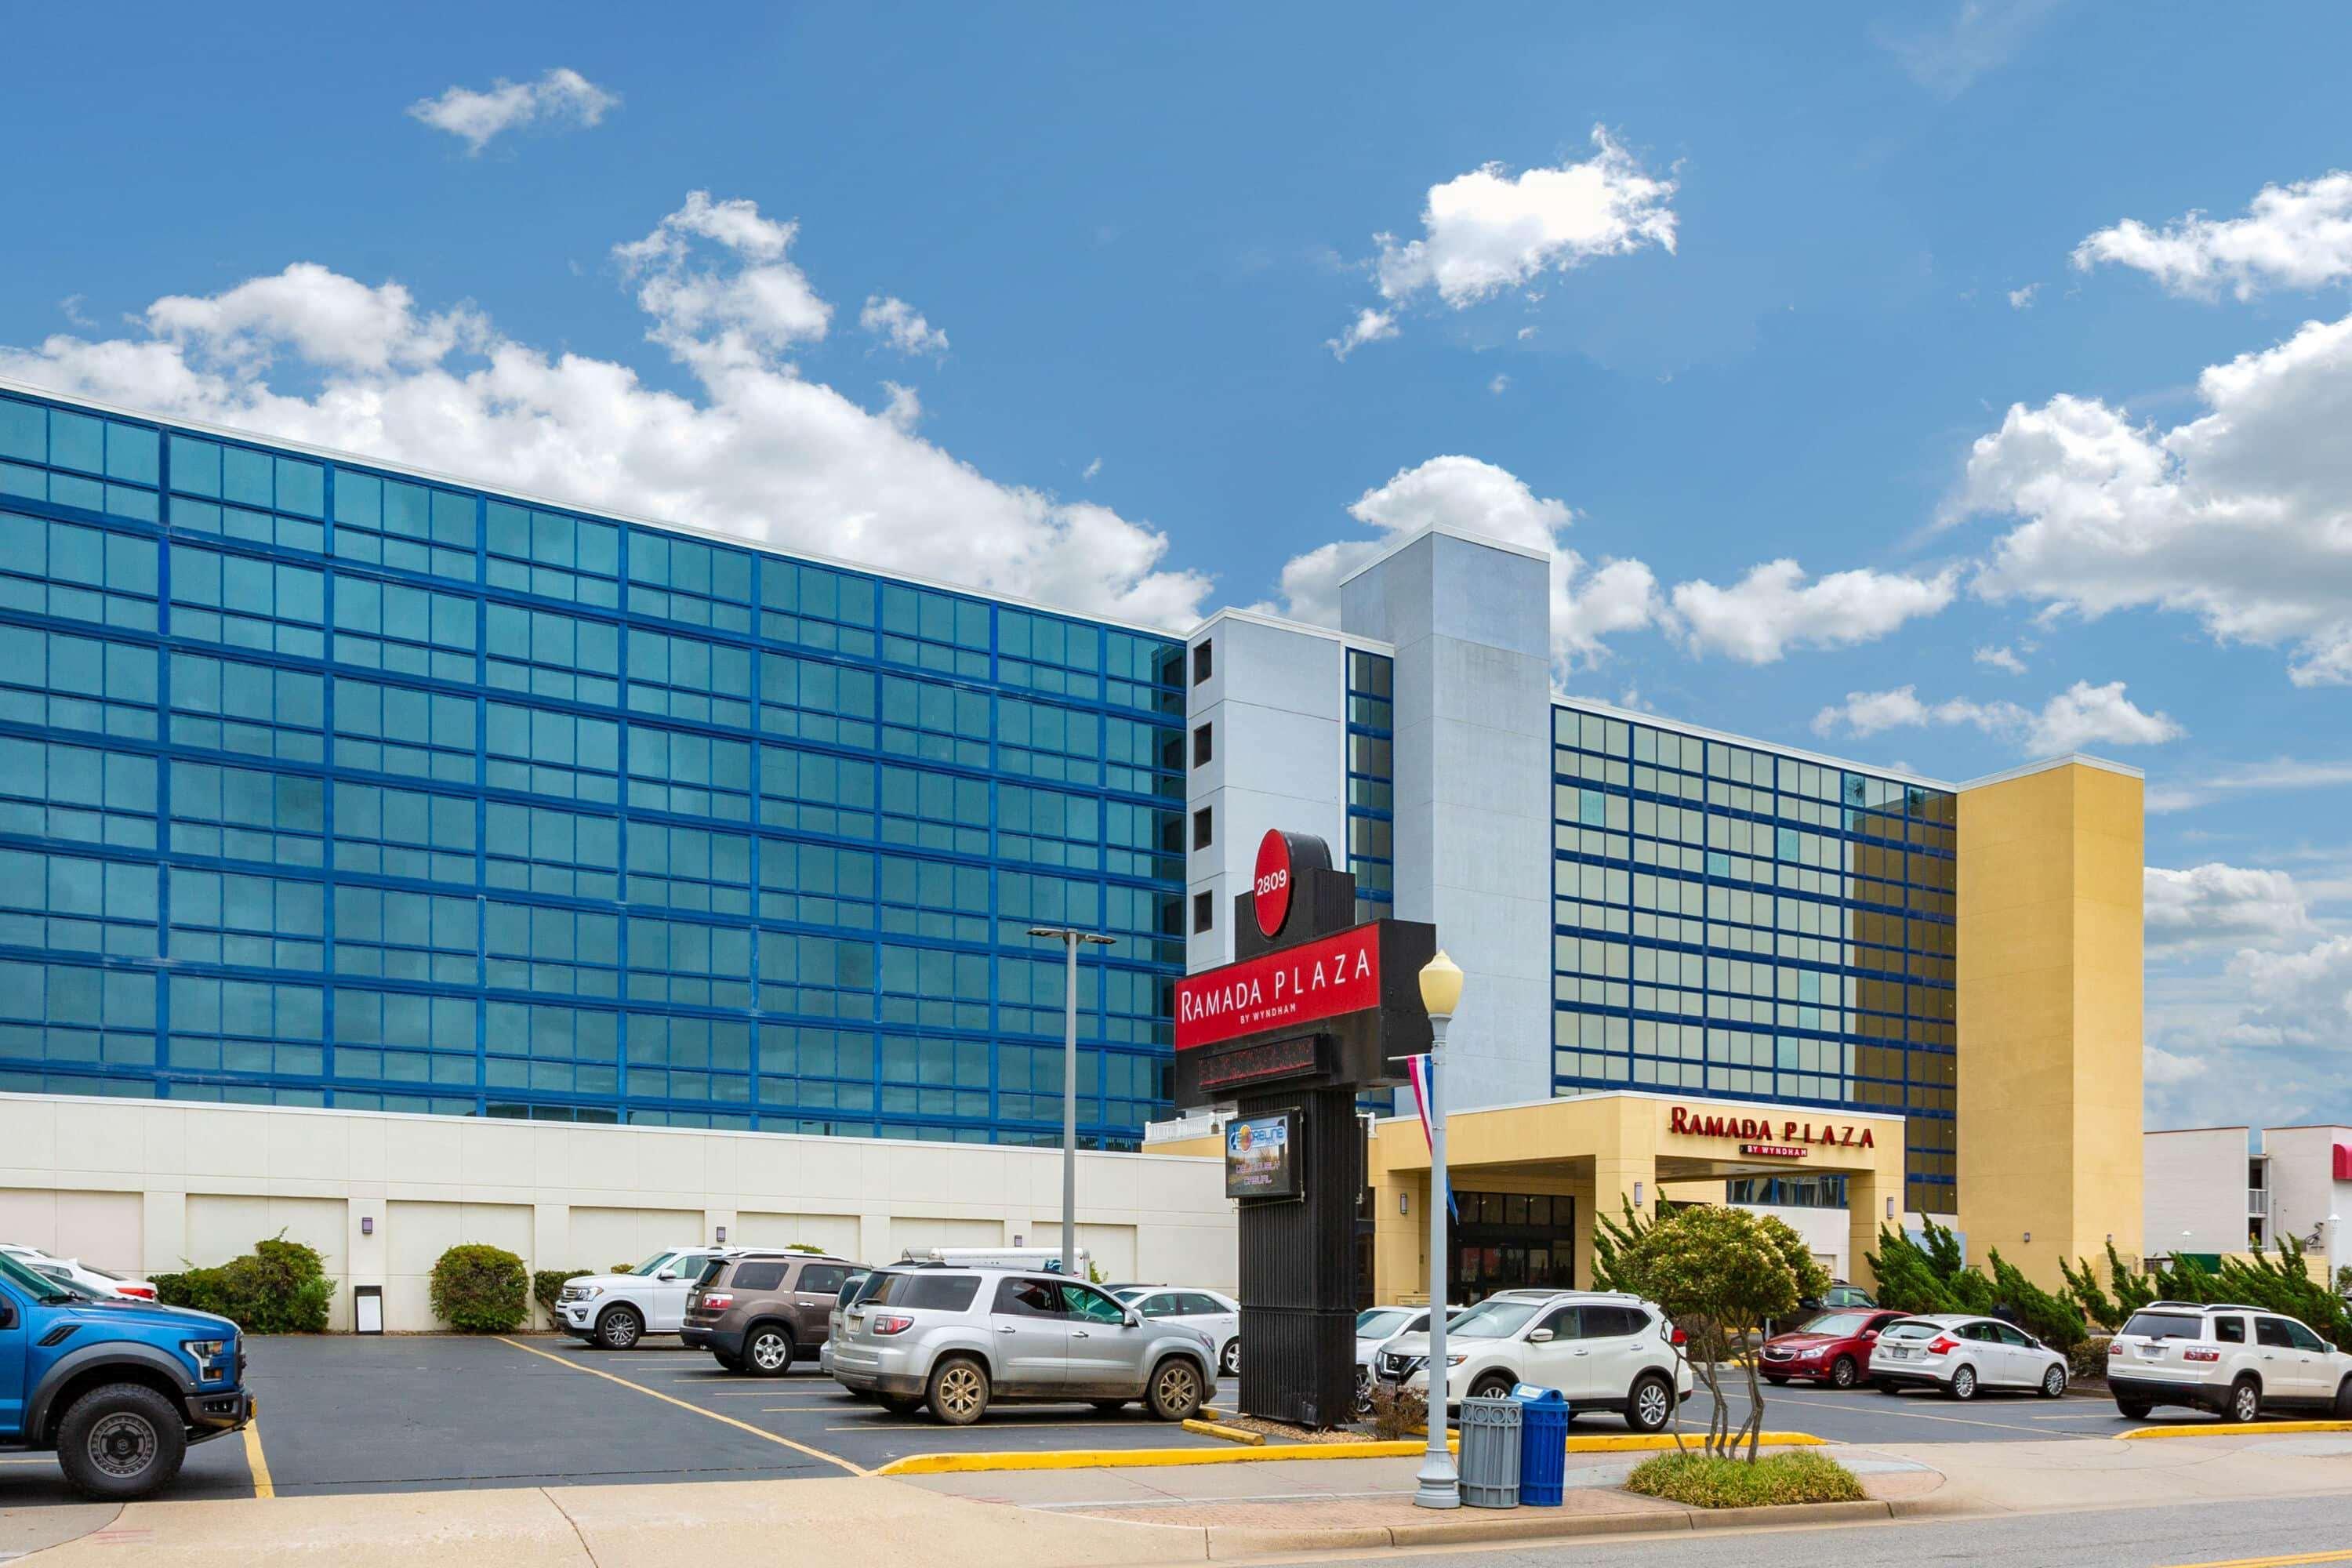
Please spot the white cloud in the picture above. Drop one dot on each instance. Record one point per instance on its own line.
(2215, 905)
(1588, 604)
(1091, 470)
(2022, 298)
(1773, 609)
(1499, 385)
(561, 98)
(1981, 36)
(753, 448)
(1368, 327)
(2001, 659)
(2294, 998)
(1489, 230)
(2163, 1067)
(2293, 236)
(2242, 517)
(2082, 715)
(2280, 774)
(900, 325)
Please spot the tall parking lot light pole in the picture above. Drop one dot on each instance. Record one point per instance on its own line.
(1071, 937)
(1441, 992)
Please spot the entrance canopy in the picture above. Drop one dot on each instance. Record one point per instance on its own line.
(1600, 1151)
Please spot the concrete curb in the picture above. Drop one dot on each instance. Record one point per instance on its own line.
(1230, 1434)
(1155, 1458)
(2233, 1429)
(1474, 1525)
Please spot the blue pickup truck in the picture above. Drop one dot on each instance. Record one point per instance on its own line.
(119, 1388)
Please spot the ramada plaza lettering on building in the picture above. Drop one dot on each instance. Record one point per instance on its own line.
(1755, 1132)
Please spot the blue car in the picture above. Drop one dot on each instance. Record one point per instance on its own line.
(117, 1388)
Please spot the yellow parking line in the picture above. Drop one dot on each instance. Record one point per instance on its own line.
(257, 1462)
(698, 1410)
(2275, 1561)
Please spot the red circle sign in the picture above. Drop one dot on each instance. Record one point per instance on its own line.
(1273, 882)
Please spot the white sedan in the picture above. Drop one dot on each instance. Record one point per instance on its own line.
(1961, 1356)
(1212, 1313)
(99, 1282)
(1376, 1326)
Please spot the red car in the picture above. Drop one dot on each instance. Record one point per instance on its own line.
(1834, 1348)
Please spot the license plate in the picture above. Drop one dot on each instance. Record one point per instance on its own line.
(1898, 1354)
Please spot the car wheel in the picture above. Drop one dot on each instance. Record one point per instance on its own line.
(2245, 1403)
(769, 1351)
(2343, 1401)
(2054, 1382)
(1843, 1372)
(959, 1393)
(620, 1328)
(1492, 1385)
(1649, 1405)
(1963, 1385)
(1108, 1406)
(2133, 1409)
(1175, 1391)
(1229, 1362)
(120, 1442)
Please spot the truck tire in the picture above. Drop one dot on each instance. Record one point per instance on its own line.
(619, 1328)
(768, 1350)
(1174, 1393)
(959, 1391)
(121, 1442)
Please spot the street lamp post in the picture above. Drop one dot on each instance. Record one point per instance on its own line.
(1440, 1482)
(1070, 938)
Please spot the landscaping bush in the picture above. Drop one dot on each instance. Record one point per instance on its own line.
(1397, 1412)
(548, 1283)
(280, 1287)
(2089, 1359)
(1798, 1475)
(481, 1290)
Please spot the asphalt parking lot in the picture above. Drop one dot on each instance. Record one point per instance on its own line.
(418, 1413)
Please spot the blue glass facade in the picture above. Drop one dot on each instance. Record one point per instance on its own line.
(1371, 782)
(1739, 922)
(321, 784)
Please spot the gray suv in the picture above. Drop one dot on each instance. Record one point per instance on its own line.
(759, 1313)
(959, 1340)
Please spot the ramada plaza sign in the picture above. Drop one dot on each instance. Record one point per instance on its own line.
(1757, 1135)
(1291, 985)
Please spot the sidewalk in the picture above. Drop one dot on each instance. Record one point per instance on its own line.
(1112, 1518)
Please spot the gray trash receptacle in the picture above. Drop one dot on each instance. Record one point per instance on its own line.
(1490, 1453)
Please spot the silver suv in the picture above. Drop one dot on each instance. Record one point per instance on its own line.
(959, 1340)
(2235, 1360)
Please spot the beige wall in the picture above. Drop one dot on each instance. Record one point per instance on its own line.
(2049, 1014)
(157, 1185)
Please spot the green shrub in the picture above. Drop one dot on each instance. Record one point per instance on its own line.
(2089, 1359)
(280, 1287)
(621, 1268)
(481, 1290)
(1397, 1412)
(1797, 1475)
(548, 1283)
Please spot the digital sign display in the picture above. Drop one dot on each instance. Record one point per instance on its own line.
(1261, 1156)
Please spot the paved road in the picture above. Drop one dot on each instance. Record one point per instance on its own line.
(403, 1413)
(2242, 1535)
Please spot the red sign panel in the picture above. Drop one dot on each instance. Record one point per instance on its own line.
(1273, 883)
(1321, 979)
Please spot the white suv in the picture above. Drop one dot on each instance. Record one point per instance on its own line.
(1602, 1350)
(616, 1311)
(2237, 1360)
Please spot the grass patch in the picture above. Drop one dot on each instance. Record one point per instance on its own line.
(1795, 1476)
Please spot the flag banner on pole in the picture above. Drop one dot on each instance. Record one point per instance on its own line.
(1418, 1069)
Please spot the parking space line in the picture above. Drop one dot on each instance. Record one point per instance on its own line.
(698, 1410)
(257, 1462)
(1914, 1416)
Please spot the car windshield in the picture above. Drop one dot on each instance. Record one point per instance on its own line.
(1844, 1325)
(41, 1285)
(1494, 1319)
(850, 1287)
(651, 1266)
(1132, 1293)
(1911, 1329)
(56, 1274)
(2166, 1326)
(926, 1289)
(1379, 1322)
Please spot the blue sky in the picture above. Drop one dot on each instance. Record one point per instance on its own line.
(1913, 298)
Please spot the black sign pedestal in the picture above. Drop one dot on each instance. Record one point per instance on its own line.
(1296, 1033)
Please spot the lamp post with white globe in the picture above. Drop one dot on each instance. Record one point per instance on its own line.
(1440, 1483)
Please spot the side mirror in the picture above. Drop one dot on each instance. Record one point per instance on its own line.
(666, 1273)
(1540, 1337)
(1134, 1319)
(1869, 1334)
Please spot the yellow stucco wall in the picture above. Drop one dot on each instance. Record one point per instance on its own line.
(2049, 954)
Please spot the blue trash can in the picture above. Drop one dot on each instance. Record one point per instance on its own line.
(1543, 1446)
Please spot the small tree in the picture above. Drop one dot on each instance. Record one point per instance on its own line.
(1719, 1273)
(478, 1290)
